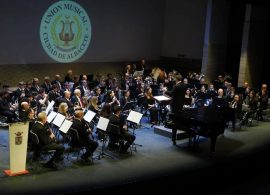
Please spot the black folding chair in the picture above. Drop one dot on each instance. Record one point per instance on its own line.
(37, 149)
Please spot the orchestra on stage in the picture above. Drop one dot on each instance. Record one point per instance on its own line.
(165, 96)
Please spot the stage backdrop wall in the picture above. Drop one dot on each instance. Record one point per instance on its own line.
(184, 28)
(122, 31)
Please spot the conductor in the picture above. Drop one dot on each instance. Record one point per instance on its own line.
(178, 96)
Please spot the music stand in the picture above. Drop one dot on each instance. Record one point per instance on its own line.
(51, 116)
(50, 107)
(138, 73)
(89, 116)
(102, 126)
(129, 105)
(59, 119)
(65, 126)
(134, 118)
(162, 102)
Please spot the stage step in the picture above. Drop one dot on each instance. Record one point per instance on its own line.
(161, 130)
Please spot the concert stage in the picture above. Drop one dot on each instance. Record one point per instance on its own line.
(237, 166)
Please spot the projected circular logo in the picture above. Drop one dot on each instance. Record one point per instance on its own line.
(65, 31)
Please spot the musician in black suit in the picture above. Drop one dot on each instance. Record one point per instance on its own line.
(141, 65)
(211, 92)
(68, 77)
(54, 93)
(93, 106)
(120, 130)
(84, 133)
(57, 81)
(201, 96)
(111, 99)
(19, 93)
(47, 140)
(177, 95)
(24, 111)
(31, 118)
(83, 87)
(178, 100)
(263, 101)
(5, 108)
(77, 99)
(42, 100)
(252, 101)
(47, 84)
(35, 85)
(150, 105)
(97, 92)
(220, 101)
(125, 99)
(235, 109)
(66, 99)
(66, 87)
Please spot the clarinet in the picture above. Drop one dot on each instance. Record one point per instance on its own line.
(46, 125)
(88, 127)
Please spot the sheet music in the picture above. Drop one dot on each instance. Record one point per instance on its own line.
(134, 117)
(59, 119)
(103, 123)
(89, 116)
(138, 73)
(51, 116)
(161, 98)
(65, 126)
(50, 107)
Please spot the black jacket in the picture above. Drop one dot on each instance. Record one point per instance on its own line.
(43, 134)
(178, 95)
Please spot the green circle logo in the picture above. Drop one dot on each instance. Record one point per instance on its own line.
(65, 31)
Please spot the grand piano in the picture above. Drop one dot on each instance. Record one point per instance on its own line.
(208, 121)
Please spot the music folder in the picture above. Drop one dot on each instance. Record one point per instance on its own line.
(59, 119)
(134, 117)
(138, 73)
(65, 126)
(51, 116)
(49, 107)
(103, 123)
(161, 98)
(89, 116)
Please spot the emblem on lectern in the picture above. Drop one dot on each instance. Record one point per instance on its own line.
(18, 138)
(65, 31)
